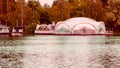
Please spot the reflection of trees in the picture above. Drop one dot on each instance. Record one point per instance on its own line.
(11, 59)
(105, 58)
(112, 41)
(59, 60)
(10, 41)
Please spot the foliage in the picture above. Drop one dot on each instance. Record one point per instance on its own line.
(95, 11)
(113, 14)
(59, 11)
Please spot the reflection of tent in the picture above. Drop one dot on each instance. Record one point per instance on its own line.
(80, 25)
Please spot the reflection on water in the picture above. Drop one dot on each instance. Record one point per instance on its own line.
(60, 52)
(11, 59)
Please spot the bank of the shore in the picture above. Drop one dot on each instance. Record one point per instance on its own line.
(30, 33)
(116, 34)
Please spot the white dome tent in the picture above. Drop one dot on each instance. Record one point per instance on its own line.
(80, 25)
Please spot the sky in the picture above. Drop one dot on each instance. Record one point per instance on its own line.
(49, 2)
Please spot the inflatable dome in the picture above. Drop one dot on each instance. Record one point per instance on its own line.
(80, 25)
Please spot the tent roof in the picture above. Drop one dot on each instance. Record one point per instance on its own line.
(80, 20)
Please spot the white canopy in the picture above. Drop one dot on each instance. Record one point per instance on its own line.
(74, 24)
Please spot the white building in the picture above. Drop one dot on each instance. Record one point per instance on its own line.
(80, 25)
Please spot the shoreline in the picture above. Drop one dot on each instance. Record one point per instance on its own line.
(28, 34)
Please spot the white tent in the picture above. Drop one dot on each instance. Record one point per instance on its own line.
(80, 25)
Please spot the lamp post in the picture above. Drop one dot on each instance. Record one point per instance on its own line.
(0, 21)
(34, 4)
(22, 13)
(22, 17)
(33, 11)
(1, 6)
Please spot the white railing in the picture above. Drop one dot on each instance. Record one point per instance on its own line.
(42, 31)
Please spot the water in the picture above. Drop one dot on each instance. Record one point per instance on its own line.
(60, 52)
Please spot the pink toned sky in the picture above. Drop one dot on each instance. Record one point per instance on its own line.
(42, 2)
(49, 2)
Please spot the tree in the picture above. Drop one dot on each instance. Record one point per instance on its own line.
(113, 9)
(95, 10)
(41, 12)
(60, 11)
(104, 2)
(78, 8)
(22, 16)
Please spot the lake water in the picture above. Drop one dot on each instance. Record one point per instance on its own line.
(48, 51)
